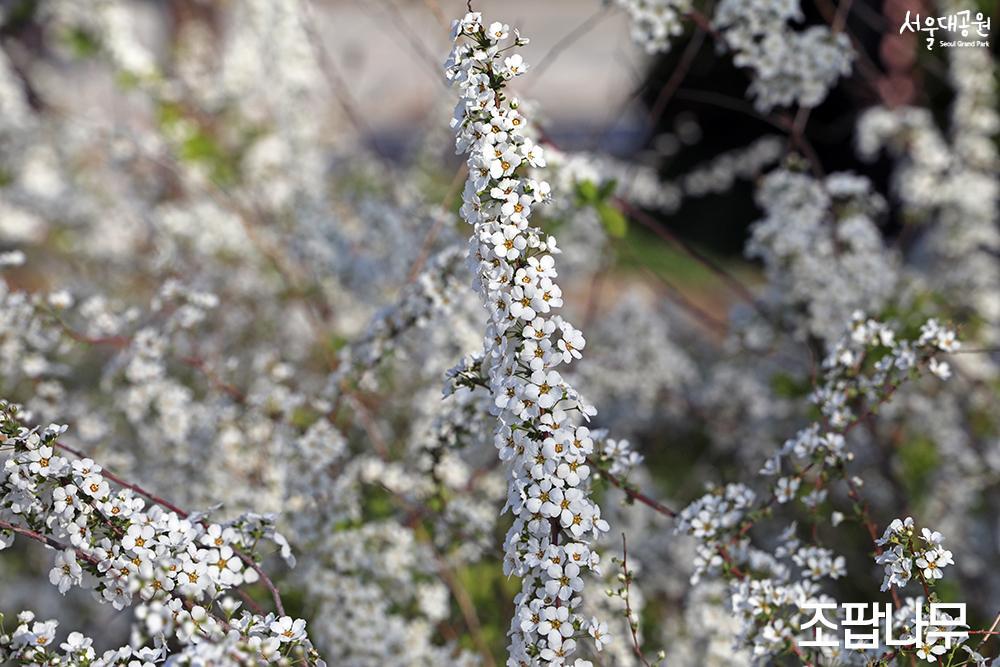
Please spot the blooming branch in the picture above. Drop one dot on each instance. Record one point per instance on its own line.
(514, 272)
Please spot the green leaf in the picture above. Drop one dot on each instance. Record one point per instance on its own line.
(607, 188)
(614, 222)
(82, 43)
(587, 192)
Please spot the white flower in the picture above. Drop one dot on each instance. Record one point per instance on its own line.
(898, 567)
(514, 66)
(533, 154)
(96, 487)
(469, 25)
(40, 635)
(932, 537)
(571, 344)
(544, 388)
(895, 528)
(288, 629)
(497, 32)
(786, 488)
(502, 160)
(931, 652)
(599, 631)
(564, 580)
(508, 243)
(224, 566)
(66, 572)
(79, 644)
(932, 561)
(139, 539)
(555, 622)
(940, 368)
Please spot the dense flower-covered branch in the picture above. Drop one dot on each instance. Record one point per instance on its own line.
(176, 566)
(538, 412)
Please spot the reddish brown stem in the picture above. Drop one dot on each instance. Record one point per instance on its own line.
(46, 540)
(636, 495)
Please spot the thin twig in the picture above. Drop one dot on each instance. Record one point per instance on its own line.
(871, 527)
(990, 632)
(676, 295)
(336, 82)
(628, 606)
(432, 233)
(660, 230)
(567, 40)
(195, 362)
(128, 485)
(840, 19)
(676, 78)
(727, 102)
(636, 495)
(702, 21)
(46, 540)
(410, 35)
(467, 607)
(438, 13)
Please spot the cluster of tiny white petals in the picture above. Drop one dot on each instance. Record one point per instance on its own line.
(432, 293)
(655, 22)
(769, 587)
(123, 550)
(643, 186)
(847, 378)
(538, 429)
(949, 180)
(236, 641)
(711, 520)
(905, 555)
(822, 248)
(788, 66)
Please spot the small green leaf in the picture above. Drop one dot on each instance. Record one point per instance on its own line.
(614, 222)
(587, 192)
(82, 43)
(607, 189)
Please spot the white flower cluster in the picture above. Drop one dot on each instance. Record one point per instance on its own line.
(788, 66)
(822, 248)
(643, 186)
(711, 520)
(769, 612)
(640, 382)
(765, 591)
(120, 549)
(868, 363)
(720, 173)
(904, 555)
(432, 293)
(949, 181)
(514, 269)
(769, 587)
(204, 640)
(655, 22)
